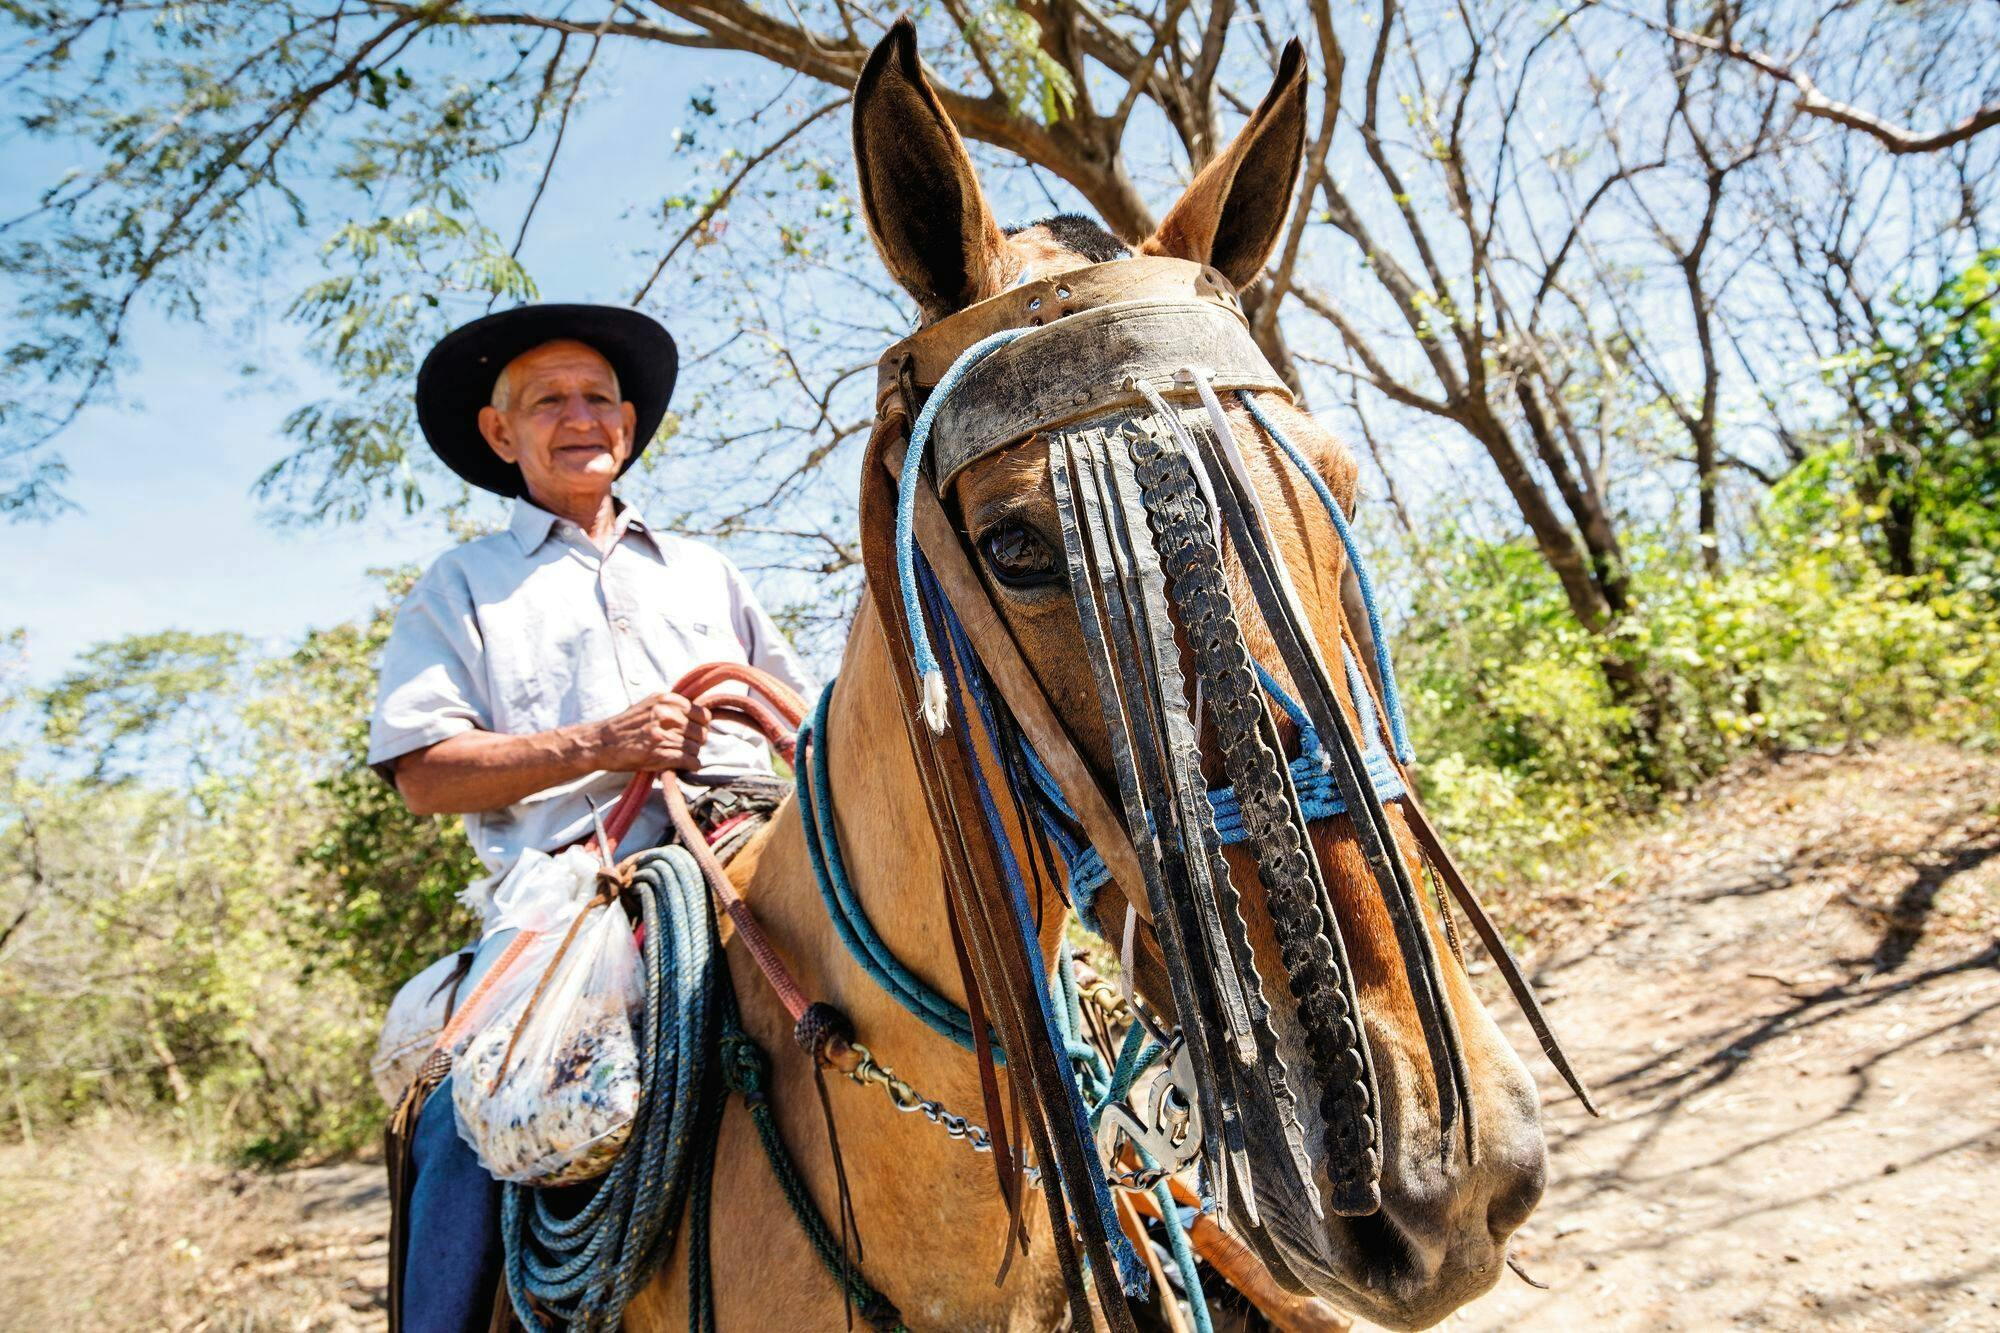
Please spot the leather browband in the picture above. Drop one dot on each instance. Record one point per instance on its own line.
(1097, 333)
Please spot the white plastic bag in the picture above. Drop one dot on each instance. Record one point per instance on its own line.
(528, 910)
(538, 893)
(416, 1017)
(557, 1107)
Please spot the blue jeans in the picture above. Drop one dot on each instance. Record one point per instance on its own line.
(453, 1265)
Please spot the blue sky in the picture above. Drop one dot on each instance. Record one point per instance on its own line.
(170, 534)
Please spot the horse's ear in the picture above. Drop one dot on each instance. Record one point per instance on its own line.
(1234, 212)
(918, 190)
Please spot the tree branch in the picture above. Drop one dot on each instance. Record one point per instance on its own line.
(1897, 139)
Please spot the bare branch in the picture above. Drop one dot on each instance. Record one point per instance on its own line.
(1897, 139)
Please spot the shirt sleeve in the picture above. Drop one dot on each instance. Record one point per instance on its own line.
(763, 642)
(433, 685)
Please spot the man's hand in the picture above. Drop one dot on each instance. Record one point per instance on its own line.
(483, 770)
(663, 731)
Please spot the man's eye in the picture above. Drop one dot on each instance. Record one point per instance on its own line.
(1019, 557)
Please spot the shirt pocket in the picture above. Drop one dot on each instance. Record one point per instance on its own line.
(706, 638)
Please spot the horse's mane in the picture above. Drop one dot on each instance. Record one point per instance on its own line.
(1085, 236)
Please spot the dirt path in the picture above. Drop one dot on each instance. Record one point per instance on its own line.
(1789, 1004)
(1792, 1022)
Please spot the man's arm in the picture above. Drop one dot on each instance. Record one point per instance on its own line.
(476, 771)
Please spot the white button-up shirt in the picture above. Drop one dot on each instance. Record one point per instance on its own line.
(534, 628)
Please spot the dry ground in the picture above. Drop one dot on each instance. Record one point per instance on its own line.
(1789, 1003)
(1791, 1020)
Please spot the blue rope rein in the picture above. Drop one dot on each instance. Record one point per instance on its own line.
(850, 919)
(959, 665)
(1392, 698)
(923, 657)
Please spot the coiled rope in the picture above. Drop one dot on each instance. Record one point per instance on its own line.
(580, 1269)
(583, 1269)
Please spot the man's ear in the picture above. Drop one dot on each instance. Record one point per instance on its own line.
(1233, 214)
(918, 191)
(494, 427)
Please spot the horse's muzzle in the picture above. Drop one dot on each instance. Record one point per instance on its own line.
(1440, 1237)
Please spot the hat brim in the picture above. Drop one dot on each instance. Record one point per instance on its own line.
(456, 379)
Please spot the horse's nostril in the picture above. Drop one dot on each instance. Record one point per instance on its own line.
(1513, 1201)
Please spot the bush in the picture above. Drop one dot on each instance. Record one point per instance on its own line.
(1532, 732)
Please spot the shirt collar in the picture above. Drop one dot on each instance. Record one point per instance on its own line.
(531, 524)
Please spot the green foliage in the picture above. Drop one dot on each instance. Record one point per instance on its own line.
(134, 689)
(211, 925)
(1010, 40)
(1920, 467)
(1531, 746)
(383, 901)
(150, 963)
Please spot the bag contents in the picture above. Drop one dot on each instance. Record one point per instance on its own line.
(546, 1090)
(416, 1016)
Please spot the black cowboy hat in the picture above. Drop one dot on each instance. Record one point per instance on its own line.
(457, 378)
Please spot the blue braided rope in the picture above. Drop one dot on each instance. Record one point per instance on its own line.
(1319, 794)
(1131, 1275)
(923, 657)
(1391, 697)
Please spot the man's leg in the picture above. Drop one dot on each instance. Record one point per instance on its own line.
(453, 1265)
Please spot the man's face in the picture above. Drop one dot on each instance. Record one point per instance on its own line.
(563, 424)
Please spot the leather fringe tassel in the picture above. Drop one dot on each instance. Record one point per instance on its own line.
(1000, 972)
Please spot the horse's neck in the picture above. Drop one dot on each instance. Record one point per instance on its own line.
(886, 839)
(894, 1160)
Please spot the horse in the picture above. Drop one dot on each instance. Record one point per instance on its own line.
(1459, 1154)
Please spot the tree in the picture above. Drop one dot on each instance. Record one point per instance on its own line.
(1518, 228)
(1926, 446)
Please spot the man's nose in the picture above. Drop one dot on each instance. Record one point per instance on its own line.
(578, 413)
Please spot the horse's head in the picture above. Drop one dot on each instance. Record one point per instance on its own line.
(1427, 1084)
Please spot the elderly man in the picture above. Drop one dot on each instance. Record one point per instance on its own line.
(527, 675)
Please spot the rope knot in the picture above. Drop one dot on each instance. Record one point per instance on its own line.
(745, 1068)
(879, 1312)
(614, 882)
(823, 1032)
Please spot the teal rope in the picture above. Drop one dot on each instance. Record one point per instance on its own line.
(843, 906)
(747, 1071)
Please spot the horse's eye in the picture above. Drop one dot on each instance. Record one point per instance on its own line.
(1019, 557)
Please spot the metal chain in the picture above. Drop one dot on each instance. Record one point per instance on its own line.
(870, 1072)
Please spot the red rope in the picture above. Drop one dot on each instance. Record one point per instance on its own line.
(778, 721)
